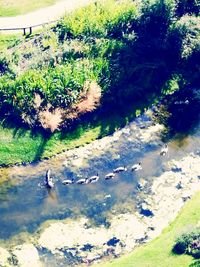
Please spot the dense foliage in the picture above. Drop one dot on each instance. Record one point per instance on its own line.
(110, 19)
(131, 50)
(189, 243)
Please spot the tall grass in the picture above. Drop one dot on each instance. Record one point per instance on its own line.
(109, 18)
(60, 87)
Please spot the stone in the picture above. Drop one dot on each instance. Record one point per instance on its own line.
(27, 255)
(141, 184)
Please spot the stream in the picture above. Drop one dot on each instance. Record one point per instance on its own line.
(27, 206)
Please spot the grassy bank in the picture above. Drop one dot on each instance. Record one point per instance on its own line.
(9, 8)
(159, 251)
(120, 55)
(19, 145)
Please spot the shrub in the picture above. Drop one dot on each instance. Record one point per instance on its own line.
(3, 64)
(113, 46)
(185, 36)
(50, 119)
(155, 21)
(109, 18)
(61, 87)
(188, 243)
(90, 99)
(187, 7)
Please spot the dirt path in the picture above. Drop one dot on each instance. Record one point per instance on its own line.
(42, 15)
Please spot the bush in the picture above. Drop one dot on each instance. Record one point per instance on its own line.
(185, 36)
(59, 87)
(187, 7)
(118, 45)
(188, 243)
(157, 16)
(109, 18)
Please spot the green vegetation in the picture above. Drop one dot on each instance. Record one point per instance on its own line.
(10, 8)
(20, 145)
(188, 243)
(159, 251)
(8, 41)
(100, 58)
(99, 20)
(68, 73)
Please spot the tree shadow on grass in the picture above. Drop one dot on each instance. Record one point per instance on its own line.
(41, 149)
(19, 131)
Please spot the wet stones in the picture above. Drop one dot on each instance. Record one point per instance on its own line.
(92, 243)
(113, 241)
(87, 247)
(185, 198)
(145, 210)
(141, 185)
(179, 185)
(176, 169)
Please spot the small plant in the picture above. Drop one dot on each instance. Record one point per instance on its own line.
(50, 119)
(185, 35)
(91, 98)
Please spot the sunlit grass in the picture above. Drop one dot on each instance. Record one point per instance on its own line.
(8, 40)
(101, 18)
(10, 8)
(159, 251)
(19, 145)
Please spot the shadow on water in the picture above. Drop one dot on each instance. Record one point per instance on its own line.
(180, 114)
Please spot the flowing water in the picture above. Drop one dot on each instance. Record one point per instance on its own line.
(25, 203)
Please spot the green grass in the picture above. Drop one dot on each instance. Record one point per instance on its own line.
(10, 8)
(158, 253)
(20, 145)
(8, 40)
